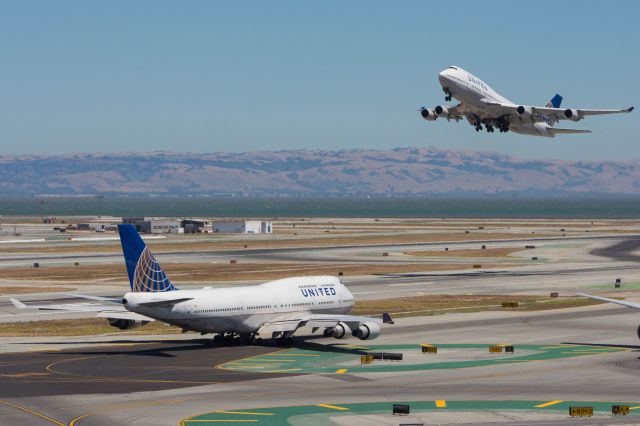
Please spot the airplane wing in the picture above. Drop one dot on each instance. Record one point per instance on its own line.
(124, 315)
(554, 113)
(616, 301)
(291, 322)
(110, 310)
(457, 113)
(556, 131)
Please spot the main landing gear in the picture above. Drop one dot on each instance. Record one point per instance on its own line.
(228, 339)
(503, 126)
(448, 95)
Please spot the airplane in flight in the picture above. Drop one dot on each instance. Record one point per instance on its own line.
(617, 302)
(481, 105)
(275, 309)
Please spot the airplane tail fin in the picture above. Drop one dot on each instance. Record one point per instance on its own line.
(555, 102)
(145, 273)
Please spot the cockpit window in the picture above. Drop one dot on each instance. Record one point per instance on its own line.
(454, 68)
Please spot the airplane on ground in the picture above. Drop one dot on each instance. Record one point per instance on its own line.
(616, 301)
(481, 105)
(275, 309)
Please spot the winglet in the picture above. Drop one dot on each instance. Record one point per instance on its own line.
(630, 109)
(18, 304)
(386, 318)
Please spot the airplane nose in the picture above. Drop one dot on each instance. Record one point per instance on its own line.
(443, 77)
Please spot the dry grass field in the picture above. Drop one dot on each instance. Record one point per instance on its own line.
(439, 304)
(399, 307)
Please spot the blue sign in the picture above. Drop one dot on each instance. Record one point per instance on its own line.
(320, 291)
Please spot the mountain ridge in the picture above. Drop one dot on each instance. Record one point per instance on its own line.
(359, 171)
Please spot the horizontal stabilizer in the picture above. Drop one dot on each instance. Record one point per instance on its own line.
(555, 131)
(18, 304)
(74, 307)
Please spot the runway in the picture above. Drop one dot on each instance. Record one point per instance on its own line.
(123, 366)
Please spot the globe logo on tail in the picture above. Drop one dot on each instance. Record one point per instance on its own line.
(148, 276)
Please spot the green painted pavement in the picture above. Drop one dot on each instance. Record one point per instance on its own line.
(280, 415)
(611, 287)
(336, 357)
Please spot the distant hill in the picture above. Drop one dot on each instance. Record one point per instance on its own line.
(401, 171)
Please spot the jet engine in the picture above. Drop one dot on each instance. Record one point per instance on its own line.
(125, 324)
(571, 114)
(524, 111)
(340, 331)
(440, 110)
(367, 331)
(428, 114)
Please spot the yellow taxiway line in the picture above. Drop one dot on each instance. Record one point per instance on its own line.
(550, 403)
(243, 412)
(333, 407)
(35, 413)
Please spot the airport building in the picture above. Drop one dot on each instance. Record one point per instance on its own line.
(243, 227)
(150, 225)
(194, 226)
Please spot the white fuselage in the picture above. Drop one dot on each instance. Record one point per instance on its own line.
(244, 309)
(475, 97)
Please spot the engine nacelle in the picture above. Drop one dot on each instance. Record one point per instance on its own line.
(571, 114)
(340, 331)
(524, 111)
(440, 110)
(125, 324)
(367, 331)
(428, 114)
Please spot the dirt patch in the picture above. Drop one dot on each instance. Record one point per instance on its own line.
(211, 272)
(440, 304)
(77, 327)
(209, 243)
(489, 252)
(33, 289)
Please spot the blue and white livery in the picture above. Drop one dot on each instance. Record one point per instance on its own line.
(483, 106)
(273, 309)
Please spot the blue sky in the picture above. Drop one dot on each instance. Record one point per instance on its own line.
(208, 76)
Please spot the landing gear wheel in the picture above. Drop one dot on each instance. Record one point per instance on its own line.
(638, 331)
